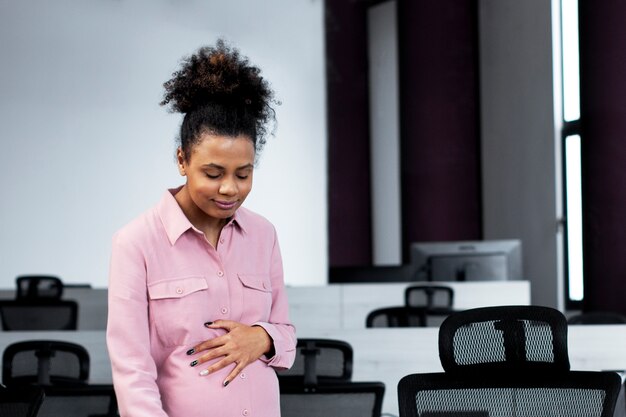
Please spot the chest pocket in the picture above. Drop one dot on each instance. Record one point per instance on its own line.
(178, 308)
(257, 295)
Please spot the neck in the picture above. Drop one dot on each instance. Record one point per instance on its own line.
(210, 226)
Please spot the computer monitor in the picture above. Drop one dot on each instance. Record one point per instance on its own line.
(485, 260)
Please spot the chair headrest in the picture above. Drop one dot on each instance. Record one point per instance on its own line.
(504, 339)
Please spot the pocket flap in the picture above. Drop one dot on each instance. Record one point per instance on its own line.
(255, 281)
(176, 288)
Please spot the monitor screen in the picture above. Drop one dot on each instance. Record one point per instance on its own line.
(488, 260)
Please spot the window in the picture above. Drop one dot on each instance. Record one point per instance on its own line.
(572, 140)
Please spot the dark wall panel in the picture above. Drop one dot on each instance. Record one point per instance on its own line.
(603, 126)
(438, 49)
(349, 216)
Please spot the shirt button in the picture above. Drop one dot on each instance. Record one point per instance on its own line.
(242, 375)
(179, 290)
(222, 240)
(244, 412)
(264, 286)
(220, 273)
(224, 310)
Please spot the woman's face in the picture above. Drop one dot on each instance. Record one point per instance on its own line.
(219, 173)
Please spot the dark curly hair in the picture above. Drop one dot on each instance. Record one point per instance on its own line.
(220, 93)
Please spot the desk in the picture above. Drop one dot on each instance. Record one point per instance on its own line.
(335, 306)
(345, 306)
(381, 354)
(92, 305)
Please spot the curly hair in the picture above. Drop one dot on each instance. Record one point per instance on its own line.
(220, 93)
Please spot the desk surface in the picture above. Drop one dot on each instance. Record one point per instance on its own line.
(381, 354)
(343, 306)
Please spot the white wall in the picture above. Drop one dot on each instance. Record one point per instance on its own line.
(86, 147)
(520, 110)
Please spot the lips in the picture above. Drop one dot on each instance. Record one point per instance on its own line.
(225, 205)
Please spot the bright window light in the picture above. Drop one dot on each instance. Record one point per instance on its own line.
(571, 68)
(574, 217)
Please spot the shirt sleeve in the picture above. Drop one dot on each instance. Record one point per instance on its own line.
(128, 335)
(279, 328)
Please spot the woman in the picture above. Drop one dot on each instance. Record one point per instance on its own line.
(198, 315)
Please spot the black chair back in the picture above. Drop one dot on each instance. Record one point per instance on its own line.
(33, 287)
(79, 401)
(45, 362)
(429, 296)
(39, 314)
(20, 402)
(509, 360)
(400, 316)
(574, 393)
(506, 339)
(320, 361)
(319, 383)
(340, 399)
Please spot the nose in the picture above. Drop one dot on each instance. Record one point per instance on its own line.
(228, 187)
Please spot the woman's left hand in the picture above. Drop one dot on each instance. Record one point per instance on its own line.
(242, 345)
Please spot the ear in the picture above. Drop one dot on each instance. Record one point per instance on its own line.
(180, 161)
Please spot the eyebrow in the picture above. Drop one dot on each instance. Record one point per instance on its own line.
(216, 166)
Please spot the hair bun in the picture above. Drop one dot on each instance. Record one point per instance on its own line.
(217, 76)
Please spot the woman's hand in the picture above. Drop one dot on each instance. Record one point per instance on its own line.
(242, 345)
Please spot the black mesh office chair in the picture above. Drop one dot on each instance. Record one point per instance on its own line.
(320, 361)
(20, 402)
(597, 317)
(400, 316)
(79, 401)
(39, 314)
(45, 362)
(429, 296)
(33, 287)
(437, 301)
(319, 383)
(341, 399)
(507, 361)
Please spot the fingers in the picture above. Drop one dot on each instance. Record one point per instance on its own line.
(233, 374)
(212, 354)
(241, 345)
(239, 366)
(217, 341)
(222, 324)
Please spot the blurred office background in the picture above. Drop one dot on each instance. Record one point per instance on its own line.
(401, 121)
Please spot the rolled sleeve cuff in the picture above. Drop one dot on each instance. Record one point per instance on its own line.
(283, 340)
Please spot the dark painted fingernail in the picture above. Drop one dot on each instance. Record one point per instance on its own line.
(226, 383)
(194, 363)
(191, 351)
(208, 323)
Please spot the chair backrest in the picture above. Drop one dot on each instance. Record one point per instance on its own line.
(509, 360)
(597, 317)
(320, 361)
(22, 402)
(39, 314)
(570, 393)
(429, 296)
(341, 399)
(505, 339)
(45, 362)
(400, 316)
(38, 286)
(79, 401)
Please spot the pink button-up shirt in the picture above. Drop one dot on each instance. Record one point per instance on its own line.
(165, 282)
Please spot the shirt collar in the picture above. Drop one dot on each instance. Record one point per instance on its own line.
(176, 223)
